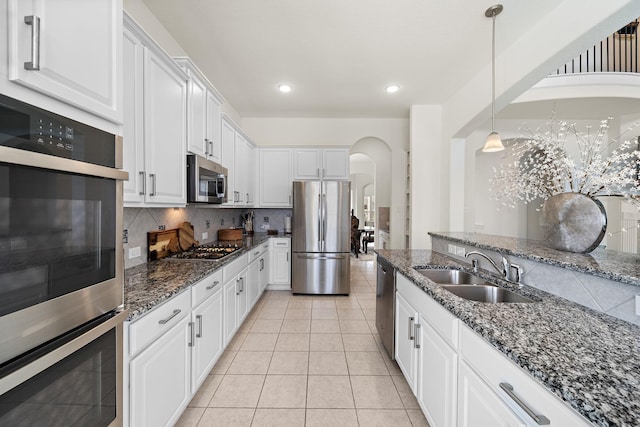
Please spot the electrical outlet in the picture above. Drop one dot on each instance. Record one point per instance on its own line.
(460, 251)
(134, 252)
(266, 220)
(451, 249)
(125, 236)
(205, 235)
(221, 221)
(637, 305)
(162, 227)
(207, 224)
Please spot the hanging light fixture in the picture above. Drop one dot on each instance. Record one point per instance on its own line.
(493, 142)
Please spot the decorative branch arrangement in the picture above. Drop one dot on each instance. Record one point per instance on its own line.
(544, 166)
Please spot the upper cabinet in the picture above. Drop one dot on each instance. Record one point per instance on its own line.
(203, 111)
(68, 51)
(238, 157)
(321, 163)
(155, 123)
(275, 172)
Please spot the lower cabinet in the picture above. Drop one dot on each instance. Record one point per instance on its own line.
(478, 405)
(461, 380)
(207, 338)
(160, 377)
(280, 253)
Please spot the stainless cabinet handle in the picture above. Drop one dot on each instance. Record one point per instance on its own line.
(540, 419)
(152, 176)
(411, 319)
(247, 197)
(211, 151)
(191, 337)
(318, 172)
(206, 147)
(242, 284)
(174, 314)
(323, 174)
(144, 183)
(257, 253)
(416, 343)
(287, 256)
(261, 264)
(213, 286)
(34, 21)
(289, 198)
(199, 319)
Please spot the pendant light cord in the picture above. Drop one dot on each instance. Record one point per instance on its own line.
(493, 70)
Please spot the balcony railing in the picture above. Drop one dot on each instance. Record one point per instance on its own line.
(617, 53)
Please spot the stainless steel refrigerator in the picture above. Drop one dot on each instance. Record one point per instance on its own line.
(321, 238)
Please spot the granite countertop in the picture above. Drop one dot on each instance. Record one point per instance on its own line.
(614, 265)
(150, 284)
(588, 359)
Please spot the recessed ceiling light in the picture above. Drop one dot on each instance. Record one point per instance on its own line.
(392, 88)
(284, 88)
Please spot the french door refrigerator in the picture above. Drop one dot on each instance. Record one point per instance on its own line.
(321, 237)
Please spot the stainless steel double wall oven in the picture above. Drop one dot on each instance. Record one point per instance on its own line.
(61, 270)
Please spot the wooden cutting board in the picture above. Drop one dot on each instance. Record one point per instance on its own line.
(226, 234)
(162, 244)
(186, 237)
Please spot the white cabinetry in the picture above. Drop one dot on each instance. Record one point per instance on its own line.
(256, 280)
(235, 296)
(321, 163)
(405, 333)
(506, 382)
(159, 383)
(75, 59)
(203, 134)
(280, 254)
(275, 177)
(237, 157)
(154, 128)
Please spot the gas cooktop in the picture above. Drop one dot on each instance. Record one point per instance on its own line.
(211, 252)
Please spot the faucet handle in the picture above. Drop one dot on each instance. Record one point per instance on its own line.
(515, 273)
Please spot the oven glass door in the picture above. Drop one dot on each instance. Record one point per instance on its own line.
(77, 382)
(57, 234)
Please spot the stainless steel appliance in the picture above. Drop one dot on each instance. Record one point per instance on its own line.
(385, 304)
(211, 251)
(321, 235)
(206, 181)
(61, 266)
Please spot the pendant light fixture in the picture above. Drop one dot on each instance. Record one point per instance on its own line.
(493, 142)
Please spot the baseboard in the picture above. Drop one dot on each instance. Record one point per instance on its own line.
(278, 287)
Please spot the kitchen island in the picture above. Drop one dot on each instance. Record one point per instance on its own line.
(589, 360)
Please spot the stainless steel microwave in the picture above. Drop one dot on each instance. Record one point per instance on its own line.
(206, 181)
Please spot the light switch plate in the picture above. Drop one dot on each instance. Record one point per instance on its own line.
(134, 252)
(451, 249)
(205, 235)
(460, 251)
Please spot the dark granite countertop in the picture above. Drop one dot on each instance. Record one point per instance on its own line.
(588, 359)
(619, 266)
(150, 284)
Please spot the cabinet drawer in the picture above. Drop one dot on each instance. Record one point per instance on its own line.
(232, 269)
(495, 368)
(144, 331)
(205, 288)
(255, 253)
(445, 323)
(280, 242)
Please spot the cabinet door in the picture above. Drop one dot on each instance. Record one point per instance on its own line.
(228, 135)
(307, 163)
(208, 345)
(214, 152)
(133, 121)
(79, 51)
(159, 379)
(230, 310)
(437, 380)
(253, 283)
(264, 271)
(197, 111)
(275, 177)
(478, 405)
(250, 173)
(165, 130)
(240, 170)
(280, 266)
(406, 318)
(335, 163)
(242, 291)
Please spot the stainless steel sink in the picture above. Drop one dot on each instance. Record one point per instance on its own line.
(452, 277)
(486, 293)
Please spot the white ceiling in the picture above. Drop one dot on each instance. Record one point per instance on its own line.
(340, 54)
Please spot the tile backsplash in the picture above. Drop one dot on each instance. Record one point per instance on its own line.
(139, 221)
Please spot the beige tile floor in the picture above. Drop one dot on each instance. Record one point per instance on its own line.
(308, 361)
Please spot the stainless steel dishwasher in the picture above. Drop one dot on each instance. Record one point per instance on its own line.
(385, 304)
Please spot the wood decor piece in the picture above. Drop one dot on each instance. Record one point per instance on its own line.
(226, 234)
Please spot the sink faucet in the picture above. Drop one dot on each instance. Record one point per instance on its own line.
(505, 264)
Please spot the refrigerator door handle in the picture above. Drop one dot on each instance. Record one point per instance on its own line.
(321, 256)
(319, 222)
(324, 221)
